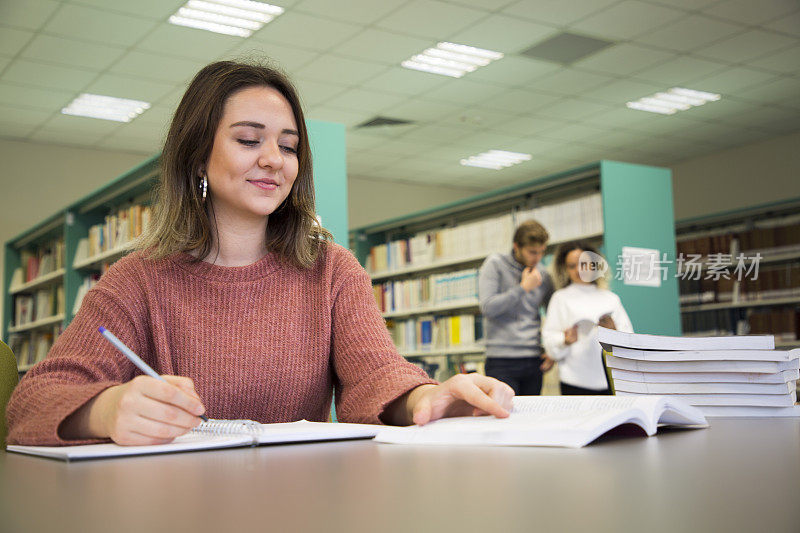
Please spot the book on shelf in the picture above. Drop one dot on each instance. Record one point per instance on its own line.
(118, 229)
(565, 220)
(212, 435)
(565, 421)
(42, 260)
(435, 332)
(725, 363)
(88, 282)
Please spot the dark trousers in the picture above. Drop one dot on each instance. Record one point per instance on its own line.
(521, 373)
(571, 390)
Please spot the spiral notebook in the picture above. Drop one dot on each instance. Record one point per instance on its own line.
(211, 435)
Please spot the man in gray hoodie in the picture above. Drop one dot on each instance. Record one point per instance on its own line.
(512, 288)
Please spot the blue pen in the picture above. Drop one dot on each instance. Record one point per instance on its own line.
(135, 359)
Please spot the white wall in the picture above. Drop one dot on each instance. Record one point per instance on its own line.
(753, 174)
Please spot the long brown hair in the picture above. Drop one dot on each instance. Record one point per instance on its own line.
(182, 221)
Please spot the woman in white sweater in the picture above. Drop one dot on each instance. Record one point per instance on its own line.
(569, 334)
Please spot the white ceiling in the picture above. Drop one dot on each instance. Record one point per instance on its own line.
(345, 56)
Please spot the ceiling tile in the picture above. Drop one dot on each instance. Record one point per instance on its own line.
(333, 114)
(402, 147)
(786, 61)
(98, 25)
(130, 143)
(4, 62)
(463, 91)
(493, 5)
(785, 91)
(440, 134)
(19, 122)
(479, 117)
(76, 127)
(44, 75)
(689, 5)
(731, 81)
(30, 14)
(421, 110)
(151, 129)
(720, 111)
(766, 118)
(306, 31)
(152, 9)
(505, 34)
(513, 71)
(621, 117)
(346, 71)
(129, 87)
(536, 145)
(71, 52)
(289, 58)
(623, 59)
(556, 12)
(368, 101)
(430, 19)
(187, 42)
(619, 92)
(27, 96)
(745, 46)
(159, 67)
(365, 162)
(679, 70)
(788, 24)
(572, 109)
(482, 141)
(689, 33)
(314, 92)
(383, 46)
(519, 101)
(627, 19)
(528, 126)
(357, 11)
(13, 40)
(752, 13)
(405, 81)
(570, 81)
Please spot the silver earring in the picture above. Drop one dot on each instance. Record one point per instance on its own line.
(204, 186)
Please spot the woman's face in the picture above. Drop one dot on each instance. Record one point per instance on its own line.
(253, 162)
(572, 263)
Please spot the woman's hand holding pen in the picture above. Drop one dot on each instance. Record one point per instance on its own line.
(144, 410)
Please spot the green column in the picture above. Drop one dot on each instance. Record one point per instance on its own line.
(330, 176)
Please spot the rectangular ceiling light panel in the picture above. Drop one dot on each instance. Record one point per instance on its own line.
(231, 17)
(495, 159)
(673, 100)
(105, 107)
(451, 59)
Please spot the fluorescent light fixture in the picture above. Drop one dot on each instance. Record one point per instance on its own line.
(105, 107)
(495, 159)
(231, 17)
(673, 100)
(451, 59)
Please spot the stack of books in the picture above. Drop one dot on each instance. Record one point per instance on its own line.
(739, 376)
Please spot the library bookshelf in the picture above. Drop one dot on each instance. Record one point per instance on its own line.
(424, 266)
(762, 298)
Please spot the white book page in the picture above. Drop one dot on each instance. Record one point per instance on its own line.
(188, 442)
(706, 355)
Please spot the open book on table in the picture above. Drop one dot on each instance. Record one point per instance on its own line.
(568, 421)
(211, 435)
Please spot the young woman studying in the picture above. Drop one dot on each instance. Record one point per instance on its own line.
(569, 334)
(235, 295)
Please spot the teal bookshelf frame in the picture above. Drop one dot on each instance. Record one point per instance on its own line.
(637, 212)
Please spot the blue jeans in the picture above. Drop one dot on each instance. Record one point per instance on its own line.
(521, 373)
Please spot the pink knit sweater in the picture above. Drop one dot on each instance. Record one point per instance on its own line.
(267, 341)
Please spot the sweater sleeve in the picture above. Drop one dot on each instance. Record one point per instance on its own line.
(555, 322)
(493, 302)
(370, 373)
(79, 366)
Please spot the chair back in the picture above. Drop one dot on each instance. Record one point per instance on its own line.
(9, 376)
